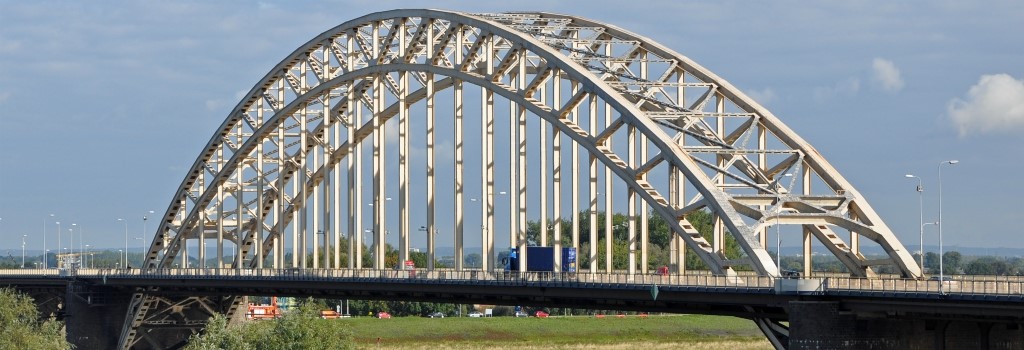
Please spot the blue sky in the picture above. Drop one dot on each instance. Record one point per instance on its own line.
(105, 105)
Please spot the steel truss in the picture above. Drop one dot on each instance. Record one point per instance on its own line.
(282, 178)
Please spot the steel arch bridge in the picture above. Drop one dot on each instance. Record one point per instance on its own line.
(561, 116)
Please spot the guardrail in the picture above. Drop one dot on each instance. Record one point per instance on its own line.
(404, 275)
(974, 286)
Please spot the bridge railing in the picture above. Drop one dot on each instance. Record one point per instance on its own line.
(973, 285)
(496, 276)
(951, 286)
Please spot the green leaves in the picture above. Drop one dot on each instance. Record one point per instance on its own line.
(300, 329)
(22, 328)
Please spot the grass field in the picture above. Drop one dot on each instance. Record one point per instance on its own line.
(632, 332)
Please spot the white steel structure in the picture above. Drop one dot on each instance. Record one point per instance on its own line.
(563, 115)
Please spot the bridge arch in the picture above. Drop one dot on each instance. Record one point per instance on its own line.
(631, 114)
(296, 142)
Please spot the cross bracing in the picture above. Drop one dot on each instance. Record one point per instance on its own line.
(571, 116)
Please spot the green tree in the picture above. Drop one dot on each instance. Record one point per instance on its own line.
(952, 261)
(218, 335)
(1017, 266)
(988, 265)
(703, 221)
(300, 329)
(658, 255)
(21, 326)
(419, 258)
(659, 231)
(980, 266)
(931, 262)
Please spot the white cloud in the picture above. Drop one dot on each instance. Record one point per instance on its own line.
(848, 87)
(995, 103)
(763, 97)
(886, 75)
(216, 104)
(8, 46)
(391, 132)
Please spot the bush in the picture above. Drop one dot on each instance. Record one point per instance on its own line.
(297, 330)
(22, 328)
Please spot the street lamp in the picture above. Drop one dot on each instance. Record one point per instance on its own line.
(85, 263)
(372, 247)
(383, 225)
(920, 199)
(44, 240)
(81, 239)
(430, 245)
(941, 271)
(923, 224)
(125, 255)
(144, 229)
(23, 250)
(126, 264)
(72, 235)
(778, 232)
(59, 244)
(424, 229)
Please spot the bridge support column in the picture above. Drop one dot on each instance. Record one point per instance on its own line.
(824, 325)
(94, 315)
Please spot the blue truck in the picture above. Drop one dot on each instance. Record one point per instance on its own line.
(541, 259)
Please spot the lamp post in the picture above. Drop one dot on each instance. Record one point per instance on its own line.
(923, 224)
(920, 199)
(59, 245)
(126, 264)
(23, 250)
(941, 271)
(71, 234)
(71, 248)
(85, 262)
(326, 253)
(44, 241)
(430, 246)
(778, 232)
(483, 228)
(372, 247)
(125, 254)
(379, 226)
(144, 229)
(81, 239)
(778, 238)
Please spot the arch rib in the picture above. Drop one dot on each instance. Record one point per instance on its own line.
(283, 145)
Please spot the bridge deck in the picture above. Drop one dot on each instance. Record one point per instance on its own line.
(960, 288)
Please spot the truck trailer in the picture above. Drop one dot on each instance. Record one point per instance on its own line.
(542, 259)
